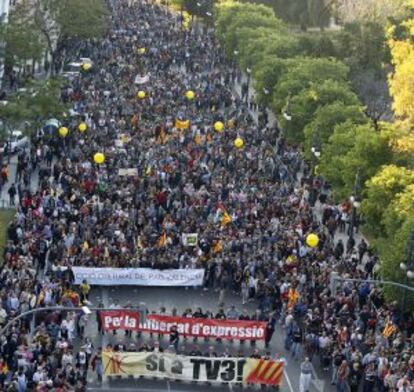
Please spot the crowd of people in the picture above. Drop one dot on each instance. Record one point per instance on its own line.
(251, 207)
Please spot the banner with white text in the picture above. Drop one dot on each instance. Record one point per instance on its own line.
(201, 369)
(192, 327)
(138, 276)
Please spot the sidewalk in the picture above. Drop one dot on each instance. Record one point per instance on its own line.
(4, 196)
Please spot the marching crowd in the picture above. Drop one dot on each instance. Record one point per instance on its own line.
(169, 172)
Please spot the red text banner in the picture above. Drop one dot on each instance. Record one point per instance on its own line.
(119, 319)
(193, 327)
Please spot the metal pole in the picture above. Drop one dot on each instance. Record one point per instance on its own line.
(409, 266)
(354, 208)
(404, 296)
(56, 308)
(406, 287)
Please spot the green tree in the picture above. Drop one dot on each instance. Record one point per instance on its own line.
(232, 15)
(60, 21)
(381, 190)
(303, 13)
(28, 109)
(267, 45)
(44, 100)
(393, 251)
(250, 20)
(303, 74)
(317, 45)
(266, 75)
(23, 41)
(353, 148)
(307, 101)
(400, 210)
(362, 46)
(327, 117)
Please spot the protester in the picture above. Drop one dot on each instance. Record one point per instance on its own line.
(305, 376)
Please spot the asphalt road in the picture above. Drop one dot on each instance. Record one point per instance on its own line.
(180, 298)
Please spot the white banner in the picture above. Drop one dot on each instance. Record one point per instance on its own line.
(132, 172)
(189, 239)
(142, 79)
(178, 367)
(138, 276)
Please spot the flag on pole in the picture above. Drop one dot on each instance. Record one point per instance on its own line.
(293, 297)
(179, 124)
(225, 219)
(389, 329)
(162, 241)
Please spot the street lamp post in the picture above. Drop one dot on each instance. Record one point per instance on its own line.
(408, 267)
(316, 153)
(335, 278)
(355, 204)
(249, 75)
(287, 112)
(142, 310)
(234, 63)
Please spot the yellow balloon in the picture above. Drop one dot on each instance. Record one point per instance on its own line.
(82, 127)
(238, 142)
(218, 126)
(99, 158)
(190, 95)
(141, 94)
(312, 240)
(86, 66)
(63, 131)
(141, 50)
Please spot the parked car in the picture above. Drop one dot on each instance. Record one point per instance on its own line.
(16, 141)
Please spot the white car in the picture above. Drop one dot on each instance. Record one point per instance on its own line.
(73, 69)
(16, 141)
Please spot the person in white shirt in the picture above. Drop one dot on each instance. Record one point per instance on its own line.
(305, 375)
(67, 358)
(39, 375)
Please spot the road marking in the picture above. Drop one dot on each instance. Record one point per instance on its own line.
(168, 386)
(288, 381)
(104, 338)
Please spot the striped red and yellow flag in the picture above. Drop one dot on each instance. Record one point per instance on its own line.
(225, 219)
(389, 329)
(293, 297)
(263, 371)
(162, 241)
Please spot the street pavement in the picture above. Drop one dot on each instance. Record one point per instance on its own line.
(12, 165)
(180, 298)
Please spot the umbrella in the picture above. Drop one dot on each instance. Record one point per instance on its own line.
(51, 125)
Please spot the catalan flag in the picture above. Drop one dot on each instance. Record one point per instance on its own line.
(163, 137)
(293, 297)
(197, 139)
(263, 371)
(180, 124)
(162, 241)
(140, 246)
(217, 247)
(225, 219)
(389, 329)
